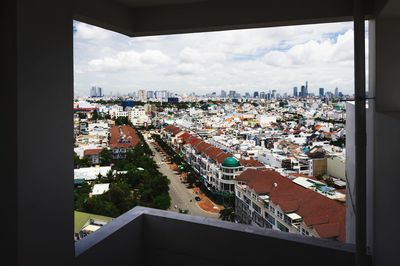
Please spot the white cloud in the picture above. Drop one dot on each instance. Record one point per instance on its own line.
(128, 60)
(188, 69)
(246, 60)
(154, 57)
(313, 52)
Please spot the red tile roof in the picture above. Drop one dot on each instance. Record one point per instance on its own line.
(222, 156)
(185, 136)
(123, 137)
(207, 149)
(193, 141)
(328, 230)
(172, 129)
(251, 163)
(314, 208)
(92, 152)
(202, 147)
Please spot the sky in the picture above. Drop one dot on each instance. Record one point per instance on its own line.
(248, 60)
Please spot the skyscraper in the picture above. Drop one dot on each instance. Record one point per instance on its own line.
(306, 94)
(150, 94)
(295, 94)
(232, 94)
(336, 92)
(321, 92)
(303, 92)
(255, 95)
(142, 95)
(96, 91)
(223, 94)
(273, 95)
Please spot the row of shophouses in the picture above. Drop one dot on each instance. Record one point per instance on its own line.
(263, 197)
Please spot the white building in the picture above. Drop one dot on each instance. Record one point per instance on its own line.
(91, 173)
(99, 189)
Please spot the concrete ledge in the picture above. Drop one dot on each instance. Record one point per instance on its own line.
(150, 237)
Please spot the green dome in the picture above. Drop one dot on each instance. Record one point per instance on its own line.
(231, 162)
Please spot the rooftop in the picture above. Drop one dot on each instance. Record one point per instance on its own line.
(231, 162)
(293, 198)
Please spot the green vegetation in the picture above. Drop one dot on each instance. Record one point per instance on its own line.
(82, 115)
(105, 157)
(329, 181)
(107, 102)
(227, 214)
(78, 162)
(95, 115)
(341, 142)
(136, 181)
(122, 120)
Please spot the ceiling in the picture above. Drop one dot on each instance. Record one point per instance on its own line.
(157, 17)
(149, 3)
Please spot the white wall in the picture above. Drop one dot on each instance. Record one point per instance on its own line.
(336, 167)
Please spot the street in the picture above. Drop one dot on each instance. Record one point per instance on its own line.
(181, 197)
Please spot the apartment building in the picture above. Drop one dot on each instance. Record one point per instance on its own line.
(269, 200)
(138, 117)
(217, 167)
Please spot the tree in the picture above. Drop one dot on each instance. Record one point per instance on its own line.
(95, 115)
(105, 157)
(76, 160)
(99, 205)
(121, 196)
(162, 201)
(191, 179)
(122, 120)
(227, 214)
(110, 176)
(82, 115)
(84, 162)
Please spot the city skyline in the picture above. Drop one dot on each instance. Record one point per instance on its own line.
(278, 58)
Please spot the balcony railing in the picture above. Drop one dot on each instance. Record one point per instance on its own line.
(146, 236)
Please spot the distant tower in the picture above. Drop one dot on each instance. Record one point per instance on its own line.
(223, 94)
(303, 92)
(306, 89)
(295, 93)
(96, 91)
(321, 92)
(336, 92)
(150, 94)
(99, 92)
(273, 95)
(93, 92)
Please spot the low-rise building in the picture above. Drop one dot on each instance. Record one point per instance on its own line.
(269, 200)
(123, 138)
(93, 155)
